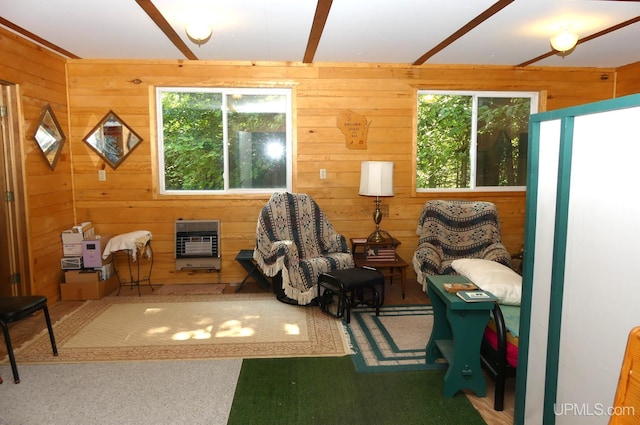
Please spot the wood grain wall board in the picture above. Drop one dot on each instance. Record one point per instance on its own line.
(41, 78)
(384, 94)
(627, 81)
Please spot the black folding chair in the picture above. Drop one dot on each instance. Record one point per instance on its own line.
(13, 309)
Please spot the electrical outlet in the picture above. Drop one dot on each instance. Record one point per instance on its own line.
(323, 173)
(102, 175)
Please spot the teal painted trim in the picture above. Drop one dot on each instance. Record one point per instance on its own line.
(533, 165)
(590, 108)
(557, 270)
(529, 246)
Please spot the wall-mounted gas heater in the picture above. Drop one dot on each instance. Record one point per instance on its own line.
(198, 244)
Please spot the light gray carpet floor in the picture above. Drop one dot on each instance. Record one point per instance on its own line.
(152, 392)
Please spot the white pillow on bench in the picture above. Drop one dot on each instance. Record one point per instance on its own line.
(492, 276)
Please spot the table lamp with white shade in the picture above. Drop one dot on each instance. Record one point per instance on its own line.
(376, 179)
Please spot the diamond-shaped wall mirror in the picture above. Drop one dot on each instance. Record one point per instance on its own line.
(49, 136)
(112, 139)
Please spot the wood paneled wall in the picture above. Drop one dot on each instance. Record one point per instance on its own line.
(40, 78)
(385, 94)
(129, 199)
(628, 80)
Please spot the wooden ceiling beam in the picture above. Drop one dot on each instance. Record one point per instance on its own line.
(32, 36)
(166, 28)
(584, 39)
(495, 8)
(319, 20)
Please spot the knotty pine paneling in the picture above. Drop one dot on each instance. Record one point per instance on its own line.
(128, 200)
(40, 78)
(628, 80)
(385, 94)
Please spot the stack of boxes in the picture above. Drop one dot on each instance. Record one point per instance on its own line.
(87, 276)
(72, 245)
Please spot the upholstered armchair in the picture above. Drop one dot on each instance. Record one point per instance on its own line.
(449, 230)
(295, 238)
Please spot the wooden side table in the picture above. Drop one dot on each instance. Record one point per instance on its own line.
(458, 327)
(390, 269)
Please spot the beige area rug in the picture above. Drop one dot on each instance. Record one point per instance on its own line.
(189, 327)
(202, 289)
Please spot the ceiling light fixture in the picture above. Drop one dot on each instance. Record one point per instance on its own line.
(199, 32)
(564, 42)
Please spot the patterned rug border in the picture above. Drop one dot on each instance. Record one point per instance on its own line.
(327, 336)
(191, 289)
(374, 348)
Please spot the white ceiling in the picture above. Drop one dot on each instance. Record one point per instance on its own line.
(363, 31)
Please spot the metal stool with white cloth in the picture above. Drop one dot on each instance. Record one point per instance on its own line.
(134, 245)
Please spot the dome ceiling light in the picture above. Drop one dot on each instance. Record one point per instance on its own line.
(564, 42)
(199, 32)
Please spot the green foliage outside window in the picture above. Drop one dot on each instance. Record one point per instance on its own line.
(196, 127)
(448, 140)
(503, 125)
(444, 137)
(193, 141)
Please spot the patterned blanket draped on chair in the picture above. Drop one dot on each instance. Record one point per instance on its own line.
(293, 236)
(449, 230)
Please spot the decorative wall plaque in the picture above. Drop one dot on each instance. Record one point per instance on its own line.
(355, 129)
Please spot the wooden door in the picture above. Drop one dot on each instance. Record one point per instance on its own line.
(5, 252)
(13, 273)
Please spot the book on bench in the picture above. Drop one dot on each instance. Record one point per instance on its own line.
(452, 288)
(476, 296)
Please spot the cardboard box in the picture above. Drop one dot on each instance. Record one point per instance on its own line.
(85, 285)
(77, 234)
(83, 227)
(69, 237)
(72, 250)
(72, 239)
(71, 263)
(81, 276)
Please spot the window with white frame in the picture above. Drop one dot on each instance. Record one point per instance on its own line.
(472, 140)
(223, 140)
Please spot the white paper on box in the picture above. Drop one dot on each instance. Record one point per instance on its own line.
(72, 249)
